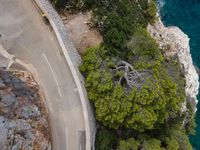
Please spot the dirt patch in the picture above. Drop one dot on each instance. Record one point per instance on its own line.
(82, 35)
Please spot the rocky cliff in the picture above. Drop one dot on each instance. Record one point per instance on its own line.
(176, 43)
(23, 119)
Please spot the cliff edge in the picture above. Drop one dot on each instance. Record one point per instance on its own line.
(176, 43)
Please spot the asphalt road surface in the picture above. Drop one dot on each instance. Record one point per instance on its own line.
(24, 34)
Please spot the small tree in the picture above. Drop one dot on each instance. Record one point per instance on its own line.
(130, 144)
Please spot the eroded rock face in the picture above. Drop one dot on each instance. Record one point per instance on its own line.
(177, 43)
(23, 119)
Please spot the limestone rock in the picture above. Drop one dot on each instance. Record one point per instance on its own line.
(22, 115)
(6, 98)
(29, 111)
(177, 43)
(3, 131)
(2, 85)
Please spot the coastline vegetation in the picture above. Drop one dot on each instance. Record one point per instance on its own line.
(136, 92)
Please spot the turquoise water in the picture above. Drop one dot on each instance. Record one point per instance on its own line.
(186, 15)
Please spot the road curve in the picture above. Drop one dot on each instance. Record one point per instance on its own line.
(24, 34)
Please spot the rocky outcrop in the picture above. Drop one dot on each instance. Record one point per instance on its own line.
(23, 119)
(176, 43)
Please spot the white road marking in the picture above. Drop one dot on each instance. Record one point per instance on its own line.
(66, 139)
(54, 76)
(75, 90)
(78, 133)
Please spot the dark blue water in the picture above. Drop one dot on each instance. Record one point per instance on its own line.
(186, 15)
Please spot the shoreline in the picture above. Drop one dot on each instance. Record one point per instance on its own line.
(179, 46)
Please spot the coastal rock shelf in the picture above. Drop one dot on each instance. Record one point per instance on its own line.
(177, 43)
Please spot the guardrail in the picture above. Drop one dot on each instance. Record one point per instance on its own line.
(46, 10)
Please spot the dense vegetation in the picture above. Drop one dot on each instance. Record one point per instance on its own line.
(136, 92)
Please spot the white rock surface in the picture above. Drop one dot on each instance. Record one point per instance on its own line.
(177, 43)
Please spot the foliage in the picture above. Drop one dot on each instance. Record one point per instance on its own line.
(191, 124)
(105, 140)
(117, 105)
(172, 144)
(178, 136)
(147, 109)
(151, 144)
(145, 144)
(142, 49)
(116, 23)
(150, 110)
(117, 20)
(72, 5)
(152, 11)
(128, 144)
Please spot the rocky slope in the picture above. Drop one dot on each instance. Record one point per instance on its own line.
(23, 119)
(176, 43)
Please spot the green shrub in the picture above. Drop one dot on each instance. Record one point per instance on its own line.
(105, 140)
(130, 144)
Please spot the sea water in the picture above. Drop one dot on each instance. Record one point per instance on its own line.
(185, 14)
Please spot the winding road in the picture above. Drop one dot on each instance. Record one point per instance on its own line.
(24, 34)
